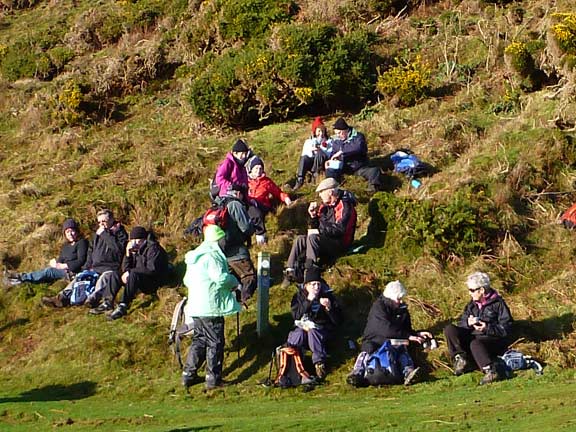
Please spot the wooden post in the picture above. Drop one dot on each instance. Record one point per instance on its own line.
(263, 292)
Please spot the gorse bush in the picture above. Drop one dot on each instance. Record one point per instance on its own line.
(565, 32)
(309, 65)
(519, 58)
(409, 82)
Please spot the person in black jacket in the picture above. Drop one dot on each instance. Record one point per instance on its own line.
(71, 259)
(482, 331)
(316, 314)
(104, 257)
(332, 226)
(145, 263)
(388, 320)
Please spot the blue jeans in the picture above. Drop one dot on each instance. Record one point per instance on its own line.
(49, 274)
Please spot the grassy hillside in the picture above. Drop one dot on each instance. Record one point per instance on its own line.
(97, 110)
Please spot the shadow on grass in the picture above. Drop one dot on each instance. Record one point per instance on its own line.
(14, 323)
(551, 328)
(199, 428)
(55, 392)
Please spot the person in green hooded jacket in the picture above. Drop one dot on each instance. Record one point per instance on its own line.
(211, 297)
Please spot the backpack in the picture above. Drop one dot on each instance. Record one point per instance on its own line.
(568, 218)
(179, 329)
(291, 371)
(217, 214)
(382, 367)
(407, 163)
(515, 360)
(83, 285)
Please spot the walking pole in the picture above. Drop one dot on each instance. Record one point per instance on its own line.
(238, 334)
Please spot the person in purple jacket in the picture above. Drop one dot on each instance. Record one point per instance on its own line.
(231, 170)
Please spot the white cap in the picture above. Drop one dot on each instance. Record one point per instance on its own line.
(394, 290)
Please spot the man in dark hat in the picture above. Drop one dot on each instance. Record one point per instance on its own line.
(350, 149)
(331, 231)
(143, 269)
(71, 259)
(316, 314)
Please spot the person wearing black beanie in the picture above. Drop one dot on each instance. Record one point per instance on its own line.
(231, 170)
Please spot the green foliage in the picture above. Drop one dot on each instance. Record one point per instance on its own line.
(519, 58)
(409, 82)
(60, 56)
(461, 227)
(312, 65)
(565, 32)
(246, 19)
(68, 109)
(509, 103)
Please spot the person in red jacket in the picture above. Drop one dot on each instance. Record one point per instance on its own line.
(263, 196)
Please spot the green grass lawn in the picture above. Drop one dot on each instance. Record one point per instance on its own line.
(525, 403)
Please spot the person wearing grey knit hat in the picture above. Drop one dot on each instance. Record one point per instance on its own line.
(482, 332)
(350, 156)
(70, 260)
(388, 323)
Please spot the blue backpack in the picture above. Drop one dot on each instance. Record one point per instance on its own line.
(84, 284)
(515, 360)
(382, 367)
(407, 163)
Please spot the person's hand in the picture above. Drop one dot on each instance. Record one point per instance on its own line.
(472, 320)
(313, 209)
(287, 201)
(260, 239)
(336, 155)
(125, 277)
(480, 326)
(326, 303)
(100, 230)
(425, 334)
(418, 339)
(53, 263)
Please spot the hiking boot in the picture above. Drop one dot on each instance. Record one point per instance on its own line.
(120, 311)
(299, 183)
(55, 302)
(289, 276)
(411, 375)
(320, 370)
(490, 375)
(356, 380)
(460, 364)
(11, 278)
(105, 306)
(189, 379)
(218, 384)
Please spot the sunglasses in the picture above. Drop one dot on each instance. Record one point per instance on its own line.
(474, 290)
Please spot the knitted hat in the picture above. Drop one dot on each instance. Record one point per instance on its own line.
(327, 183)
(138, 232)
(252, 162)
(316, 124)
(240, 146)
(69, 223)
(341, 124)
(312, 275)
(394, 290)
(478, 280)
(213, 233)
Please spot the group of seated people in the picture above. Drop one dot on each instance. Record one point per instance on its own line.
(220, 275)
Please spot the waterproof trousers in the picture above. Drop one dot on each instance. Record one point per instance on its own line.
(207, 346)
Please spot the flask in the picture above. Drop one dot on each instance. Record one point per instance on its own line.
(415, 183)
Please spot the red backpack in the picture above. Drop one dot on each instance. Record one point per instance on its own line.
(216, 215)
(568, 218)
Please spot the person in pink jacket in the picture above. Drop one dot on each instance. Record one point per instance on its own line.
(263, 196)
(231, 170)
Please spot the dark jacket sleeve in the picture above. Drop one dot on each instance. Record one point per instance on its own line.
(355, 147)
(115, 242)
(470, 310)
(335, 313)
(75, 265)
(502, 324)
(336, 226)
(300, 305)
(88, 263)
(152, 261)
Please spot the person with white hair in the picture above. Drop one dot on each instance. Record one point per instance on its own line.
(482, 331)
(388, 321)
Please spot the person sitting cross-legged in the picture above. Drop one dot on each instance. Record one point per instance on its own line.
(389, 322)
(70, 261)
(316, 314)
(331, 231)
(482, 331)
(144, 267)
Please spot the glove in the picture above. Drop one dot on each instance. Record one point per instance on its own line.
(261, 239)
(287, 201)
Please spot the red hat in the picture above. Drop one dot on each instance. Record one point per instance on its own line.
(316, 124)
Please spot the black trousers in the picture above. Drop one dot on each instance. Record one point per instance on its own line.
(207, 346)
(482, 348)
(244, 270)
(257, 215)
(371, 174)
(308, 250)
(314, 164)
(138, 282)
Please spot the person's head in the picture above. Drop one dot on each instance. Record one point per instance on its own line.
(318, 129)
(312, 281)
(213, 233)
(328, 190)
(138, 236)
(70, 230)
(240, 150)
(255, 167)
(478, 284)
(395, 291)
(105, 218)
(341, 128)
